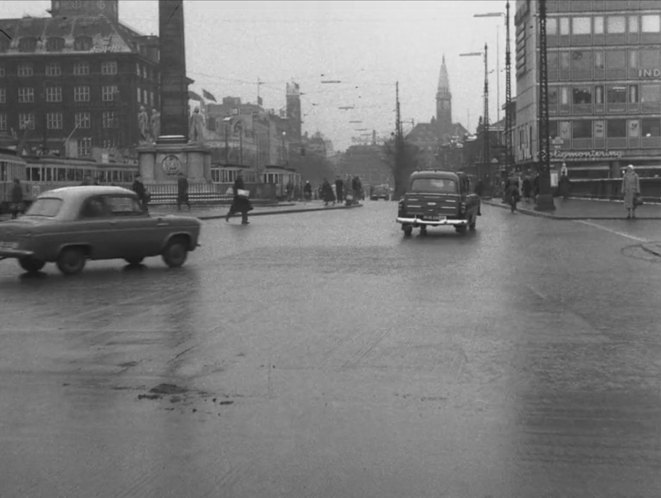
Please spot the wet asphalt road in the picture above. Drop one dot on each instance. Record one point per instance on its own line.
(324, 355)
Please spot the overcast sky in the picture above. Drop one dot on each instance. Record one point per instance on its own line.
(368, 46)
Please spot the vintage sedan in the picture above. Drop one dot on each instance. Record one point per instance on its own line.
(70, 225)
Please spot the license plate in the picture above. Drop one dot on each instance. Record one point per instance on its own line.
(8, 245)
(435, 218)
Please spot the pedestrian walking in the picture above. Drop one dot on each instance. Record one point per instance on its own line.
(339, 189)
(241, 202)
(327, 194)
(526, 188)
(16, 198)
(182, 191)
(512, 193)
(563, 186)
(630, 190)
(307, 191)
(143, 194)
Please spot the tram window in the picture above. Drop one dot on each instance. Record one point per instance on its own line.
(48, 174)
(61, 174)
(70, 174)
(35, 174)
(78, 175)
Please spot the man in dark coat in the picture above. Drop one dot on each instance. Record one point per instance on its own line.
(182, 191)
(339, 189)
(240, 203)
(139, 188)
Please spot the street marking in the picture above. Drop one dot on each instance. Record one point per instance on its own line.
(616, 232)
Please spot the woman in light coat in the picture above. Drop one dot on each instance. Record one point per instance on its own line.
(630, 188)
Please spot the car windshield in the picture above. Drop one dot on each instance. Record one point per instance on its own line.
(45, 206)
(434, 185)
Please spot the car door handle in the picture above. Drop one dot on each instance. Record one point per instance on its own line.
(162, 224)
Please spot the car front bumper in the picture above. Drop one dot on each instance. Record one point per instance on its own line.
(415, 221)
(14, 253)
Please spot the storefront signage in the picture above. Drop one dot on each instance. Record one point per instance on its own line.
(649, 73)
(591, 155)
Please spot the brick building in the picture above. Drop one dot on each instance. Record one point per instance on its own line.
(72, 84)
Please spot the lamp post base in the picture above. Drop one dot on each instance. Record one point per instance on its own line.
(545, 203)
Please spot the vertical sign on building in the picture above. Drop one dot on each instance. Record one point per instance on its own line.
(174, 84)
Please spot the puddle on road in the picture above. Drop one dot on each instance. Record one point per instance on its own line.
(185, 398)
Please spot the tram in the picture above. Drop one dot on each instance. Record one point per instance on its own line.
(12, 167)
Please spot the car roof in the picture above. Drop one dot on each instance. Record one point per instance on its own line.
(82, 191)
(434, 174)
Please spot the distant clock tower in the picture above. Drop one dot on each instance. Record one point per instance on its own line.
(72, 8)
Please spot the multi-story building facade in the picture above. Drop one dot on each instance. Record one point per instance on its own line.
(604, 85)
(73, 84)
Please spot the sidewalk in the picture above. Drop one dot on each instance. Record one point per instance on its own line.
(584, 209)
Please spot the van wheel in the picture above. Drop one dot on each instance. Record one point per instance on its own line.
(473, 222)
(175, 253)
(71, 261)
(408, 230)
(460, 228)
(30, 264)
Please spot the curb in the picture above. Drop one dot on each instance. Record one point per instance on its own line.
(543, 214)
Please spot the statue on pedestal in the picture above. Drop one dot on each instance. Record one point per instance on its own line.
(155, 124)
(143, 125)
(196, 129)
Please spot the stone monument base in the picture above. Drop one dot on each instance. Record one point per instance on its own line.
(162, 161)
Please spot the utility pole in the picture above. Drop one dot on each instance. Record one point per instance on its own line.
(486, 151)
(508, 97)
(545, 197)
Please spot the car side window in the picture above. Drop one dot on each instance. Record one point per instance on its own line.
(94, 207)
(124, 205)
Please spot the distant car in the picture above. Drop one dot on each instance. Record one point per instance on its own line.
(380, 192)
(438, 198)
(70, 225)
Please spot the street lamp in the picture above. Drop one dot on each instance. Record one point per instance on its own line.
(284, 150)
(227, 122)
(545, 197)
(486, 150)
(509, 122)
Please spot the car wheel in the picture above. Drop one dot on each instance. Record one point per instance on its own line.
(71, 261)
(408, 230)
(175, 253)
(30, 264)
(134, 261)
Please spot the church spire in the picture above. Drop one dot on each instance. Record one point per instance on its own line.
(444, 101)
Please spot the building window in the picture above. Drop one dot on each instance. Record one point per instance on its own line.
(582, 128)
(55, 44)
(109, 67)
(84, 146)
(650, 58)
(54, 120)
(3, 121)
(137, 68)
(81, 94)
(564, 60)
(651, 127)
(650, 23)
(3, 95)
(633, 127)
(633, 24)
(552, 26)
(4, 44)
(598, 59)
(582, 95)
(109, 143)
(564, 95)
(82, 43)
(616, 94)
(145, 97)
(615, 25)
(81, 68)
(25, 95)
(581, 25)
(651, 94)
(633, 94)
(54, 94)
(53, 69)
(25, 121)
(25, 69)
(599, 94)
(108, 93)
(139, 96)
(82, 120)
(564, 25)
(616, 128)
(599, 25)
(598, 128)
(27, 44)
(109, 119)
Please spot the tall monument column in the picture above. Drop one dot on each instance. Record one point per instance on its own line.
(174, 84)
(171, 153)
